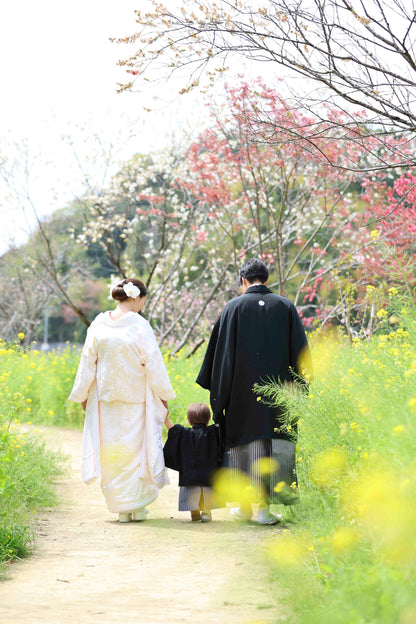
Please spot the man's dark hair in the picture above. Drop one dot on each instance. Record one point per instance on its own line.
(254, 270)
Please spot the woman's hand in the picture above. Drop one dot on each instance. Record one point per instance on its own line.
(84, 405)
(168, 422)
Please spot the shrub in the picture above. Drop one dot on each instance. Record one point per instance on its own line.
(353, 532)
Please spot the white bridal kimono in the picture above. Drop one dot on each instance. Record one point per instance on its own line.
(124, 379)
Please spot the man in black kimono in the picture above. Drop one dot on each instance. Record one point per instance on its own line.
(258, 336)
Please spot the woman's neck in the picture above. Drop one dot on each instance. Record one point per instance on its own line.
(121, 309)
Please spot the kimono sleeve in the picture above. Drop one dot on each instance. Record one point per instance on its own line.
(217, 370)
(204, 376)
(86, 370)
(155, 367)
(223, 367)
(172, 448)
(300, 357)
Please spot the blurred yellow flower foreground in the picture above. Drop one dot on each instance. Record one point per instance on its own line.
(347, 553)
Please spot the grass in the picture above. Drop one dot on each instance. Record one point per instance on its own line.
(44, 380)
(27, 469)
(182, 374)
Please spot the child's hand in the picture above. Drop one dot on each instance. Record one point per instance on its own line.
(168, 422)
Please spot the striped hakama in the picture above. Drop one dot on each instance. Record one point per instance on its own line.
(279, 484)
(192, 497)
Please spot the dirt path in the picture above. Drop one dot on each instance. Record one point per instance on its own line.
(89, 568)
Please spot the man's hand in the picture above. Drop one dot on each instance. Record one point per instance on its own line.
(84, 405)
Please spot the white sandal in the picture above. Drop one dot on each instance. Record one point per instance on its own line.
(237, 514)
(124, 517)
(140, 514)
(265, 516)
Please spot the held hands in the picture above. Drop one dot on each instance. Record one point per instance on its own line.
(168, 422)
(84, 405)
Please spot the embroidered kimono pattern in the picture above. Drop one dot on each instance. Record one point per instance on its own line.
(123, 377)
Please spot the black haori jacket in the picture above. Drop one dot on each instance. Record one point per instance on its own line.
(258, 336)
(193, 452)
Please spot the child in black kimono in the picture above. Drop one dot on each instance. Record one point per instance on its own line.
(195, 454)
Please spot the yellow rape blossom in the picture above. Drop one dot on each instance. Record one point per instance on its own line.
(328, 467)
(288, 552)
(266, 465)
(280, 486)
(387, 516)
(231, 487)
(412, 404)
(343, 540)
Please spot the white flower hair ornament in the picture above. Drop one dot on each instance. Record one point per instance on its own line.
(131, 290)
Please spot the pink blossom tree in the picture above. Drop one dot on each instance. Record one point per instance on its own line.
(258, 182)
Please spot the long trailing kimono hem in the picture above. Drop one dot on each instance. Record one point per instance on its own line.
(152, 467)
(143, 502)
(132, 466)
(90, 462)
(123, 378)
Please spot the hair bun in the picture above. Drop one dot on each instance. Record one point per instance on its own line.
(118, 293)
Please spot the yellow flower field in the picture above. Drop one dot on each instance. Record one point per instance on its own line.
(346, 553)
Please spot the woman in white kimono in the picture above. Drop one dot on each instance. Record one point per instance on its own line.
(124, 387)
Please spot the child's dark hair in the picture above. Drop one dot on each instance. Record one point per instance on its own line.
(198, 414)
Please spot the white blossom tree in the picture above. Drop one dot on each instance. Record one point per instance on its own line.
(356, 55)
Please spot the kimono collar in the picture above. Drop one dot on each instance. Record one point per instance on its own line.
(130, 318)
(257, 288)
(198, 426)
